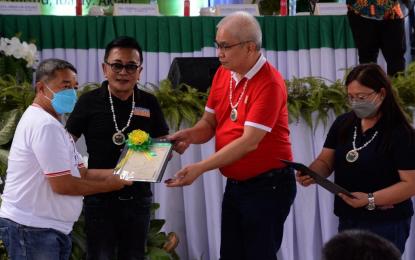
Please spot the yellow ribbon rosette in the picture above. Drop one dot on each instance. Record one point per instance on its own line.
(138, 140)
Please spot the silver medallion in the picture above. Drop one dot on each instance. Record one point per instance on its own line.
(234, 114)
(352, 156)
(118, 138)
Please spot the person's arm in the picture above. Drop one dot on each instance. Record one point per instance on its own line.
(324, 165)
(95, 174)
(70, 185)
(394, 194)
(230, 153)
(200, 133)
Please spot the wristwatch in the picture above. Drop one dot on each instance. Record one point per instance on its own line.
(371, 205)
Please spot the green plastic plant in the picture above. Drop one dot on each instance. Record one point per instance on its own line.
(183, 105)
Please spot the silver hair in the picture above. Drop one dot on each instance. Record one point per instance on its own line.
(45, 72)
(243, 27)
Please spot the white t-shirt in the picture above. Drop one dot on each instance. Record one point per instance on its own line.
(41, 149)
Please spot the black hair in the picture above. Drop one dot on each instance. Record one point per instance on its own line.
(124, 42)
(359, 245)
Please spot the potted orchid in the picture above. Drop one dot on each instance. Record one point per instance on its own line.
(17, 59)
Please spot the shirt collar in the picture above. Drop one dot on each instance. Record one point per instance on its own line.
(380, 124)
(254, 70)
(105, 93)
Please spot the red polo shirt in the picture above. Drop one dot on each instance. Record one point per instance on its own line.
(263, 105)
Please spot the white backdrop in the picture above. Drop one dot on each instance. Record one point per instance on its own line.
(194, 212)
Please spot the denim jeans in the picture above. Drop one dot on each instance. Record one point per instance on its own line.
(23, 242)
(111, 222)
(253, 216)
(397, 231)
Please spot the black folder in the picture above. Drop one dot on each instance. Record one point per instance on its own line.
(320, 180)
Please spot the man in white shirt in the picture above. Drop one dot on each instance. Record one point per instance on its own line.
(46, 177)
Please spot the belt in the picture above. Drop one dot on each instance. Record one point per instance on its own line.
(266, 175)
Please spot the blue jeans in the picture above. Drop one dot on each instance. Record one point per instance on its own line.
(396, 231)
(111, 222)
(253, 215)
(23, 242)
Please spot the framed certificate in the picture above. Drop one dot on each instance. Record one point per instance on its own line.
(146, 166)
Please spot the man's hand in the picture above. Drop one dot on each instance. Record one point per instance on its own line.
(115, 183)
(183, 140)
(356, 203)
(185, 176)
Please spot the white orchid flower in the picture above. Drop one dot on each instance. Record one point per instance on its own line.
(3, 44)
(19, 51)
(13, 47)
(15, 41)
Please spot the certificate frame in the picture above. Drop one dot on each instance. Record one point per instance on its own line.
(319, 179)
(139, 167)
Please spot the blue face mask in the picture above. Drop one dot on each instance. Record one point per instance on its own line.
(64, 101)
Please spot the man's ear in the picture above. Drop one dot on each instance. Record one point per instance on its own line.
(140, 69)
(251, 46)
(104, 69)
(40, 87)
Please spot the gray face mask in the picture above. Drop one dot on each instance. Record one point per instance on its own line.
(364, 109)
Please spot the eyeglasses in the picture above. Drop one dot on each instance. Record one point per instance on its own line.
(118, 67)
(225, 48)
(350, 98)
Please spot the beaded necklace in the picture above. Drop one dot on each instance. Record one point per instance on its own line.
(234, 112)
(352, 155)
(119, 138)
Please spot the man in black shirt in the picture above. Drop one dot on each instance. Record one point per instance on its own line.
(105, 116)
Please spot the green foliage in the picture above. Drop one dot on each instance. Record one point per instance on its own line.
(78, 240)
(87, 87)
(311, 94)
(156, 240)
(268, 7)
(8, 124)
(183, 105)
(3, 252)
(404, 85)
(154, 247)
(15, 95)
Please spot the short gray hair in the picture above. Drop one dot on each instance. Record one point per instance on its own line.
(243, 27)
(45, 72)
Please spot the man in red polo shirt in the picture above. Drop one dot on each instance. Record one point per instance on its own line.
(247, 113)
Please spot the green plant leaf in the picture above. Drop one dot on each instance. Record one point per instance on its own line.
(157, 239)
(8, 124)
(4, 156)
(156, 225)
(78, 238)
(8, 66)
(155, 253)
(18, 35)
(154, 207)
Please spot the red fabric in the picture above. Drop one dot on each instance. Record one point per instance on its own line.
(264, 104)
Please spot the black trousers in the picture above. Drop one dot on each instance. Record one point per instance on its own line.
(387, 35)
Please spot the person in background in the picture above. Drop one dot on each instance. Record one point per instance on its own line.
(359, 245)
(105, 116)
(247, 113)
(45, 176)
(372, 151)
(378, 25)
